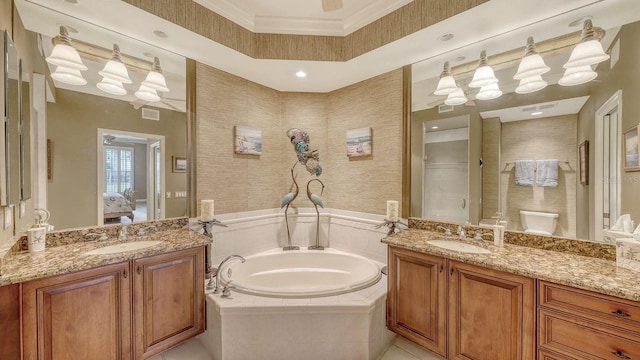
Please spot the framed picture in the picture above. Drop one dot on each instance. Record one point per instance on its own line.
(248, 140)
(631, 149)
(584, 162)
(359, 142)
(179, 164)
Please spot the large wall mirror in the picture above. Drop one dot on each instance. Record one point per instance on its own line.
(12, 122)
(463, 157)
(109, 156)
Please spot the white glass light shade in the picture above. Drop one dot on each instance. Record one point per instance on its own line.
(117, 71)
(147, 94)
(483, 76)
(67, 56)
(577, 75)
(456, 98)
(111, 86)
(531, 65)
(446, 86)
(489, 92)
(531, 84)
(586, 53)
(68, 76)
(155, 81)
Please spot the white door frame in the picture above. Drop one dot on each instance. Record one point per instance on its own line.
(151, 177)
(614, 101)
(100, 162)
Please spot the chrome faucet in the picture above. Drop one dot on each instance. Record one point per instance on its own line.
(122, 234)
(217, 271)
(462, 233)
(480, 235)
(447, 232)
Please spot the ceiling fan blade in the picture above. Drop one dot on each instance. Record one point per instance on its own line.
(331, 5)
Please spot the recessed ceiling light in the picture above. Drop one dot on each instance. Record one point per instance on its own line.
(301, 74)
(434, 127)
(148, 54)
(536, 113)
(579, 22)
(70, 29)
(74, 2)
(459, 58)
(160, 33)
(445, 37)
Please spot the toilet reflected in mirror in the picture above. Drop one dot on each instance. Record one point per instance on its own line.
(538, 223)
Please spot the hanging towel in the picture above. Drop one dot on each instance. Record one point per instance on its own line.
(525, 171)
(547, 173)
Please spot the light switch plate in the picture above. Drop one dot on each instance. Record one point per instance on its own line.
(8, 217)
(168, 194)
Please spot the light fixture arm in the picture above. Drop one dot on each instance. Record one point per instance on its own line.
(530, 49)
(588, 33)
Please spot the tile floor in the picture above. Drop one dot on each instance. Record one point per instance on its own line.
(401, 349)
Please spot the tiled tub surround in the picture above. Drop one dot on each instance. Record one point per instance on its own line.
(346, 326)
(69, 255)
(599, 275)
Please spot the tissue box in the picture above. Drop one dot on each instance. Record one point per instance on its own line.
(610, 236)
(628, 253)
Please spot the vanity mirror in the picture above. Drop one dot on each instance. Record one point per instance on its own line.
(24, 137)
(491, 135)
(12, 122)
(106, 146)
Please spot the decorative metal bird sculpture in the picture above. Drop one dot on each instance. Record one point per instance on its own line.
(317, 201)
(286, 201)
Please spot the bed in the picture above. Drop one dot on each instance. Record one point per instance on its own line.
(117, 205)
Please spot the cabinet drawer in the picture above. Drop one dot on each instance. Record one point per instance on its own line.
(548, 355)
(614, 311)
(579, 338)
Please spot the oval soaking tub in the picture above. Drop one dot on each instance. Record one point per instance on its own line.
(301, 273)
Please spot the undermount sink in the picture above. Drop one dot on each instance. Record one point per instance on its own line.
(124, 247)
(458, 246)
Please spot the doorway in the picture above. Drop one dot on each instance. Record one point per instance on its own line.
(130, 176)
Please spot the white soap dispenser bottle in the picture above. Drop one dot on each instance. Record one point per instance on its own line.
(498, 231)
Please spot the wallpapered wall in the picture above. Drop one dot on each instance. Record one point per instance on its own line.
(245, 182)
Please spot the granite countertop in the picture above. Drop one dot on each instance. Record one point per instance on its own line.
(602, 276)
(56, 260)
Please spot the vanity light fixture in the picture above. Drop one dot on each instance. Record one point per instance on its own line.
(447, 83)
(155, 80)
(532, 63)
(589, 51)
(63, 54)
(111, 86)
(456, 98)
(115, 68)
(577, 75)
(489, 92)
(146, 93)
(483, 75)
(531, 84)
(68, 76)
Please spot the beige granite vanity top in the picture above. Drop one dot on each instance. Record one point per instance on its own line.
(602, 276)
(56, 260)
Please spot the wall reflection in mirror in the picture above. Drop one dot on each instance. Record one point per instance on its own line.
(109, 152)
(473, 160)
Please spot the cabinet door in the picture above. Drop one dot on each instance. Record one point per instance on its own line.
(491, 314)
(168, 300)
(416, 306)
(82, 315)
(10, 322)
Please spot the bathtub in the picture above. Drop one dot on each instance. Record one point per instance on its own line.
(302, 273)
(299, 305)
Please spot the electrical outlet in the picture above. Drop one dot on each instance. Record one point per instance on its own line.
(168, 194)
(8, 217)
(23, 209)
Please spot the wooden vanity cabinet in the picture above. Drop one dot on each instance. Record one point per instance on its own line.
(417, 298)
(168, 300)
(82, 315)
(579, 324)
(458, 310)
(130, 310)
(10, 322)
(491, 314)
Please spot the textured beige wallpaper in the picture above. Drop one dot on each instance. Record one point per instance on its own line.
(244, 182)
(491, 166)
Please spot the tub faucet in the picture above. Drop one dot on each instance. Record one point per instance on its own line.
(217, 271)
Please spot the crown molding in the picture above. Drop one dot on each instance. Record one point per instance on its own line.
(303, 26)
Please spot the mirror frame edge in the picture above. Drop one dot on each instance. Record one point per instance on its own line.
(191, 138)
(406, 140)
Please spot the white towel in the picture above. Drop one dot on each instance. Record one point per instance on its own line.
(525, 171)
(623, 224)
(547, 173)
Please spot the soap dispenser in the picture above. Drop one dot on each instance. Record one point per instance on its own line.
(498, 230)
